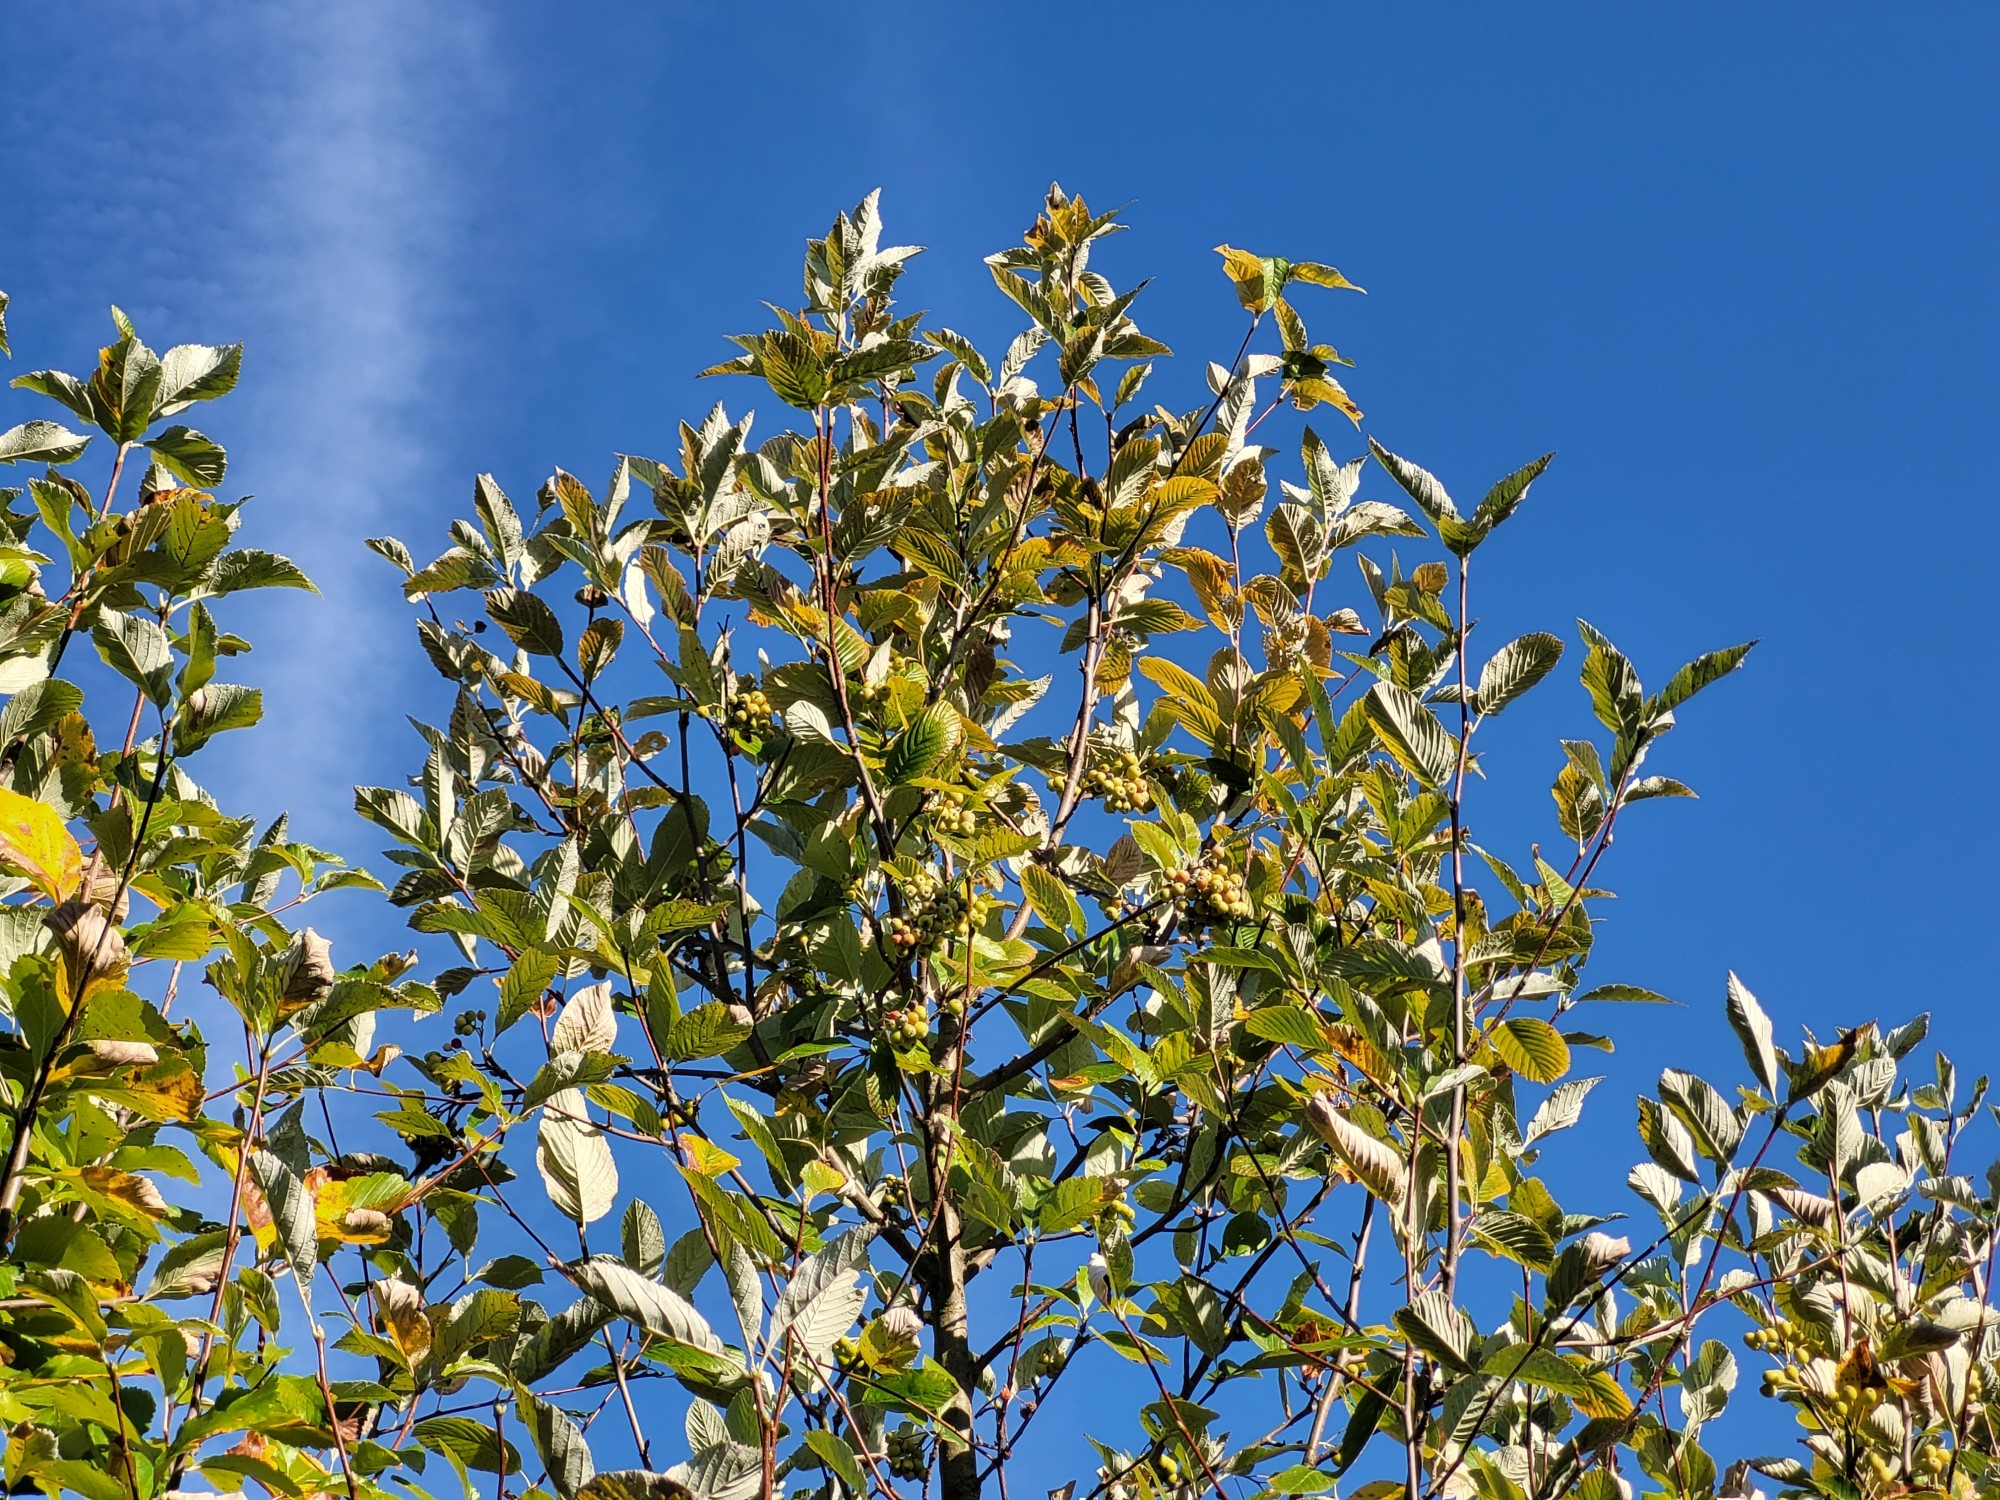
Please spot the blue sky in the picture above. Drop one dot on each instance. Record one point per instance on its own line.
(1734, 264)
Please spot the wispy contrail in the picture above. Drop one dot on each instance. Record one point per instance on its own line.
(307, 192)
(347, 221)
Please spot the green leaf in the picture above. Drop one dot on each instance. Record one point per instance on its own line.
(560, 1442)
(1667, 1141)
(212, 709)
(688, 1260)
(93, 1481)
(190, 457)
(1051, 899)
(291, 1213)
(641, 1240)
(1418, 483)
(57, 386)
(1700, 673)
(136, 649)
(456, 569)
(1442, 1331)
(635, 1484)
(1716, 1127)
(472, 1444)
(525, 983)
(708, 1030)
(1595, 1392)
(41, 442)
(960, 348)
(125, 388)
(1515, 1236)
(1656, 786)
(885, 358)
(196, 372)
(1072, 1202)
(497, 519)
(1614, 690)
(1302, 1480)
(1187, 697)
(1505, 497)
(927, 740)
(1627, 993)
(835, 1456)
(1562, 1109)
(793, 369)
(37, 706)
(1517, 667)
(1532, 1047)
(598, 645)
(251, 568)
(1753, 1030)
(1412, 734)
(641, 1300)
(825, 1295)
(527, 619)
(575, 1159)
(1287, 1024)
(1301, 542)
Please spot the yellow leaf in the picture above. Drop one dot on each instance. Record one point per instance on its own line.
(34, 843)
(819, 1178)
(176, 1094)
(400, 1313)
(127, 1188)
(707, 1158)
(1247, 271)
(349, 1209)
(1187, 696)
(1532, 1047)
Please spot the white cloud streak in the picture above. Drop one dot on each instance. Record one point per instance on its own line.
(346, 215)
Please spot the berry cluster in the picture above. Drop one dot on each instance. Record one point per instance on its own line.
(1779, 1337)
(932, 912)
(1121, 782)
(749, 710)
(907, 1027)
(468, 1022)
(952, 812)
(1117, 1219)
(1930, 1462)
(1210, 891)
(1840, 1405)
(873, 693)
(907, 1456)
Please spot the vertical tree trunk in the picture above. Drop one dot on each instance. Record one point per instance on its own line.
(958, 1465)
